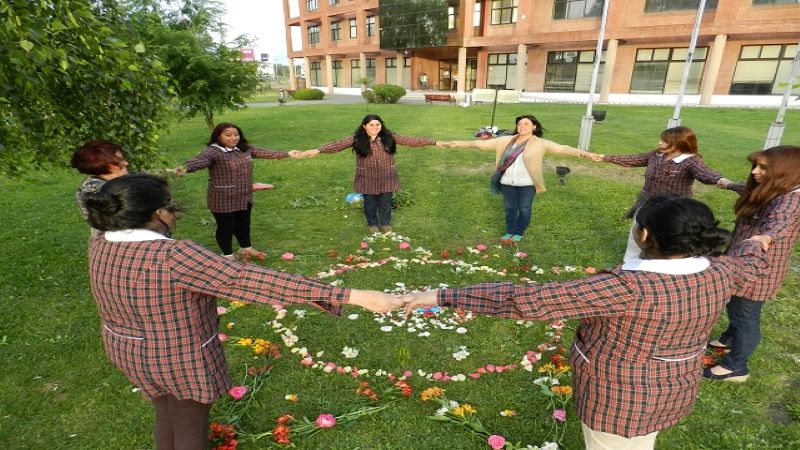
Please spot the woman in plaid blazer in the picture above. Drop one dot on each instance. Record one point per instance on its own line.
(376, 169)
(157, 302)
(229, 160)
(101, 161)
(638, 349)
(672, 168)
(769, 205)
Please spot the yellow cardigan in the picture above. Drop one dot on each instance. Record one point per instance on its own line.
(532, 155)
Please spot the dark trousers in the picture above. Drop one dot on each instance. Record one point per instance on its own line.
(518, 205)
(231, 224)
(180, 424)
(378, 209)
(743, 333)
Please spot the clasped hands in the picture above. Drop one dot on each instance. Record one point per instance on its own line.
(376, 301)
(303, 154)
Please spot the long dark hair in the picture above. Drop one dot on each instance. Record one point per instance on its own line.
(783, 175)
(682, 226)
(243, 145)
(127, 202)
(362, 143)
(538, 131)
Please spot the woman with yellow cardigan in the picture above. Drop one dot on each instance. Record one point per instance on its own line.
(518, 172)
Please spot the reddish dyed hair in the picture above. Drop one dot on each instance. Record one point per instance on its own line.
(783, 175)
(682, 139)
(94, 157)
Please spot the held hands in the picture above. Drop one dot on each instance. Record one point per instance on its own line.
(180, 171)
(417, 300)
(723, 183)
(375, 301)
(445, 144)
(596, 157)
(766, 241)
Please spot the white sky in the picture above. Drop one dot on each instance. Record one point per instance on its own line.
(263, 20)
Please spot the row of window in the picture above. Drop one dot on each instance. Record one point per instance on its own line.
(336, 30)
(760, 69)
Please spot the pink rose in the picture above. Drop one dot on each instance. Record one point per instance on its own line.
(481, 247)
(221, 310)
(408, 374)
(392, 377)
(222, 337)
(560, 415)
(364, 245)
(277, 306)
(521, 255)
(287, 256)
(404, 245)
(475, 375)
(590, 270)
(307, 362)
(325, 421)
(496, 441)
(438, 375)
(237, 392)
(491, 367)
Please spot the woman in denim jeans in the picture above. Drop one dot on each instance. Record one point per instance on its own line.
(769, 205)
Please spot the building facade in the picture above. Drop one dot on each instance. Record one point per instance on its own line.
(743, 47)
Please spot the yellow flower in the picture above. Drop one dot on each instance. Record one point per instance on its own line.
(468, 409)
(508, 413)
(244, 342)
(230, 325)
(237, 304)
(431, 392)
(563, 369)
(292, 397)
(458, 411)
(546, 368)
(562, 390)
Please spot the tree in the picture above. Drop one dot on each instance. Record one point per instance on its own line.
(208, 76)
(72, 71)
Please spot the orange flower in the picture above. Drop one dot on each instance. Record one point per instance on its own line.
(285, 419)
(562, 390)
(405, 388)
(431, 392)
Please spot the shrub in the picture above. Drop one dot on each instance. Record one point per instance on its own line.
(308, 94)
(369, 96)
(387, 93)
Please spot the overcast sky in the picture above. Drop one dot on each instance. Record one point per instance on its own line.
(263, 20)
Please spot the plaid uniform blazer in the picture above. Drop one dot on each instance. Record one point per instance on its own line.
(376, 173)
(779, 219)
(637, 352)
(157, 304)
(230, 180)
(664, 177)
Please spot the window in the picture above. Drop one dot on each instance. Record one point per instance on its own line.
(313, 34)
(311, 5)
(773, 2)
(504, 11)
(335, 31)
(676, 5)
(371, 69)
(333, 2)
(355, 72)
(577, 9)
(762, 69)
(502, 71)
(452, 17)
(353, 28)
(571, 71)
(476, 15)
(370, 25)
(316, 73)
(660, 70)
(391, 70)
(337, 72)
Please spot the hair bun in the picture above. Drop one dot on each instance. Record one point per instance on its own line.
(101, 202)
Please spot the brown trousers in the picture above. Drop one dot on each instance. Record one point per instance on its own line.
(180, 424)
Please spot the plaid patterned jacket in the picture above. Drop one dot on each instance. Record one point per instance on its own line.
(157, 303)
(376, 173)
(664, 177)
(637, 352)
(779, 219)
(230, 181)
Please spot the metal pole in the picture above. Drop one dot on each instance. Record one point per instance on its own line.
(775, 132)
(587, 120)
(494, 108)
(675, 121)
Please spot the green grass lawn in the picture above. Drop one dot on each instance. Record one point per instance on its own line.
(59, 391)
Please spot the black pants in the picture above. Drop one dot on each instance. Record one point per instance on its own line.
(231, 224)
(180, 424)
(378, 209)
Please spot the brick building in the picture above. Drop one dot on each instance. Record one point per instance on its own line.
(744, 47)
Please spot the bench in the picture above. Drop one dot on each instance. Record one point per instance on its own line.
(430, 98)
(487, 95)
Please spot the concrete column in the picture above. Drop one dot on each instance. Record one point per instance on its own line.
(461, 79)
(329, 73)
(307, 70)
(713, 62)
(292, 76)
(522, 63)
(608, 71)
(362, 68)
(400, 67)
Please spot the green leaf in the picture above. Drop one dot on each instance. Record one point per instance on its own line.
(26, 45)
(64, 64)
(139, 48)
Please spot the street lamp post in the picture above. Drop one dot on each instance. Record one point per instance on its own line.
(588, 120)
(775, 132)
(675, 121)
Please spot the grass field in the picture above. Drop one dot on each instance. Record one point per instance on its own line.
(59, 391)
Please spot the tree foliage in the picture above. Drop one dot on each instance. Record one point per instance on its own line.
(208, 76)
(74, 70)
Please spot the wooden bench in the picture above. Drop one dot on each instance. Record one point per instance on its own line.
(430, 98)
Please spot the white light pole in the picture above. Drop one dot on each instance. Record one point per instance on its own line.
(675, 121)
(776, 128)
(587, 121)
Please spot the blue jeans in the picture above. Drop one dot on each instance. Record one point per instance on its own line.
(743, 333)
(378, 209)
(518, 204)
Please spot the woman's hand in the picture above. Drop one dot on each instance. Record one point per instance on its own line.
(180, 171)
(766, 241)
(425, 299)
(374, 301)
(295, 154)
(444, 144)
(723, 183)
